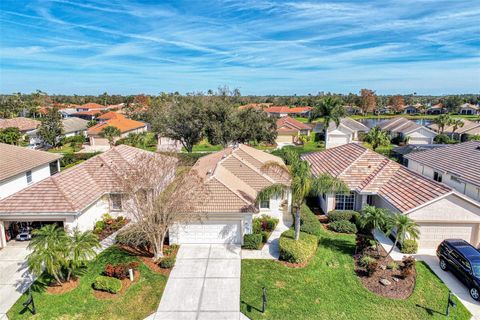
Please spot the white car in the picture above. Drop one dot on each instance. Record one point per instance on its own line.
(23, 236)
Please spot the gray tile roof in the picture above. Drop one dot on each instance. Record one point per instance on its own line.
(74, 124)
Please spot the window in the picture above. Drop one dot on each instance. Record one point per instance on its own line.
(437, 176)
(264, 204)
(115, 202)
(370, 200)
(456, 179)
(53, 168)
(344, 201)
(29, 177)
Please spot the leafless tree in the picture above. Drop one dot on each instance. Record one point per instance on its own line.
(156, 195)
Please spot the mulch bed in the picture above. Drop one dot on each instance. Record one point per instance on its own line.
(145, 255)
(109, 231)
(154, 267)
(64, 288)
(399, 287)
(126, 283)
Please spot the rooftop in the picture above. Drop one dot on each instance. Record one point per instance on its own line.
(74, 189)
(120, 122)
(368, 172)
(349, 123)
(74, 124)
(460, 160)
(15, 160)
(289, 124)
(23, 124)
(469, 127)
(400, 124)
(234, 176)
(286, 109)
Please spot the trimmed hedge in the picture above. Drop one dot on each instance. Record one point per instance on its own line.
(167, 262)
(343, 226)
(108, 284)
(252, 241)
(297, 251)
(341, 215)
(309, 222)
(409, 246)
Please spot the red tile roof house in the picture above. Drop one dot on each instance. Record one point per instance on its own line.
(289, 131)
(125, 125)
(440, 211)
(416, 134)
(76, 197)
(232, 177)
(284, 111)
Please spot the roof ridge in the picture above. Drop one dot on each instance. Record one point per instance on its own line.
(372, 177)
(355, 161)
(69, 201)
(251, 166)
(236, 193)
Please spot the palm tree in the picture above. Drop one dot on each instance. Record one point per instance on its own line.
(403, 225)
(456, 123)
(377, 137)
(82, 248)
(372, 218)
(110, 132)
(443, 121)
(48, 251)
(303, 184)
(331, 109)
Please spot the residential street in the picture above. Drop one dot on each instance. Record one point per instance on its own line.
(204, 284)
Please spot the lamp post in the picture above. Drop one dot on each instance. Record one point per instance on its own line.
(264, 299)
(450, 303)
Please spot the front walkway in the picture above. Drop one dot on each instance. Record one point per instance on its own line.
(429, 256)
(203, 284)
(271, 250)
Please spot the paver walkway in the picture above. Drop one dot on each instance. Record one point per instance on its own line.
(203, 284)
(271, 250)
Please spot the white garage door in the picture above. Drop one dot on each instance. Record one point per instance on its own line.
(210, 232)
(420, 140)
(431, 234)
(281, 138)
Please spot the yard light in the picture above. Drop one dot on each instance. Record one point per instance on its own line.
(450, 303)
(264, 299)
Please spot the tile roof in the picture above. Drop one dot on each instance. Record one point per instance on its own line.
(368, 172)
(461, 160)
(74, 124)
(469, 105)
(110, 115)
(23, 124)
(91, 105)
(74, 189)
(401, 124)
(122, 123)
(87, 113)
(233, 177)
(469, 127)
(285, 109)
(350, 124)
(15, 160)
(287, 124)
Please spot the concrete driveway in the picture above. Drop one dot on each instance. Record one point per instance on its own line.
(204, 284)
(457, 287)
(14, 277)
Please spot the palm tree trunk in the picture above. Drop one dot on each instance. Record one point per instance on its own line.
(393, 247)
(297, 222)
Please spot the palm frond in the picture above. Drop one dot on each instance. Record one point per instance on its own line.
(326, 183)
(276, 189)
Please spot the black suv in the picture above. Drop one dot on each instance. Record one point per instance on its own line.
(463, 260)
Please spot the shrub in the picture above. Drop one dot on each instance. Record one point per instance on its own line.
(343, 226)
(264, 223)
(252, 241)
(100, 225)
(309, 222)
(119, 271)
(256, 226)
(167, 262)
(366, 260)
(392, 266)
(265, 235)
(408, 266)
(372, 267)
(297, 251)
(107, 284)
(341, 215)
(409, 246)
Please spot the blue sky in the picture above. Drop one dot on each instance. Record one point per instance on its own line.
(261, 47)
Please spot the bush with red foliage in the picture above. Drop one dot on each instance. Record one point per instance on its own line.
(408, 266)
(120, 271)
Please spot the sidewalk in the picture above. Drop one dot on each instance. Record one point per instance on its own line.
(270, 250)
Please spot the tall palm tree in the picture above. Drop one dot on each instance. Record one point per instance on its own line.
(456, 123)
(82, 248)
(331, 109)
(377, 137)
(303, 183)
(403, 225)
(442, 121)
(48, 251)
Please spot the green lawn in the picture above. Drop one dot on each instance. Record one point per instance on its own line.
(204, 146)
(140, 300)
(329, 289)
(384, 150)
(67, 148)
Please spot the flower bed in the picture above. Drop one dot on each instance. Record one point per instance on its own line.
(262, 229)
(108, 225)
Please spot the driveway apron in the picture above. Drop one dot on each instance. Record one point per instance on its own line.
(204, 284)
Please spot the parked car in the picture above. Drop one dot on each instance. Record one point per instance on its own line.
(463, 260)
(23, 236)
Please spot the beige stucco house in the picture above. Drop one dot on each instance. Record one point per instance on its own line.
(290, 130)
(440, 211)
(232, 177)
(404, 128)
(347, 131)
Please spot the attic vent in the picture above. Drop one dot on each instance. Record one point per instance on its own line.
(224, 156)
(478, 148)
(209, 172)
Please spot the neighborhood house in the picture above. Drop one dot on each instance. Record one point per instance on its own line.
(373, 179)
(233, 177)
(125, 125)
(347, 131)
(290, 130)
(403, 128)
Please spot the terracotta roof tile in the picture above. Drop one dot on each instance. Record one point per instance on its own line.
(122, 123)
(23, 124)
